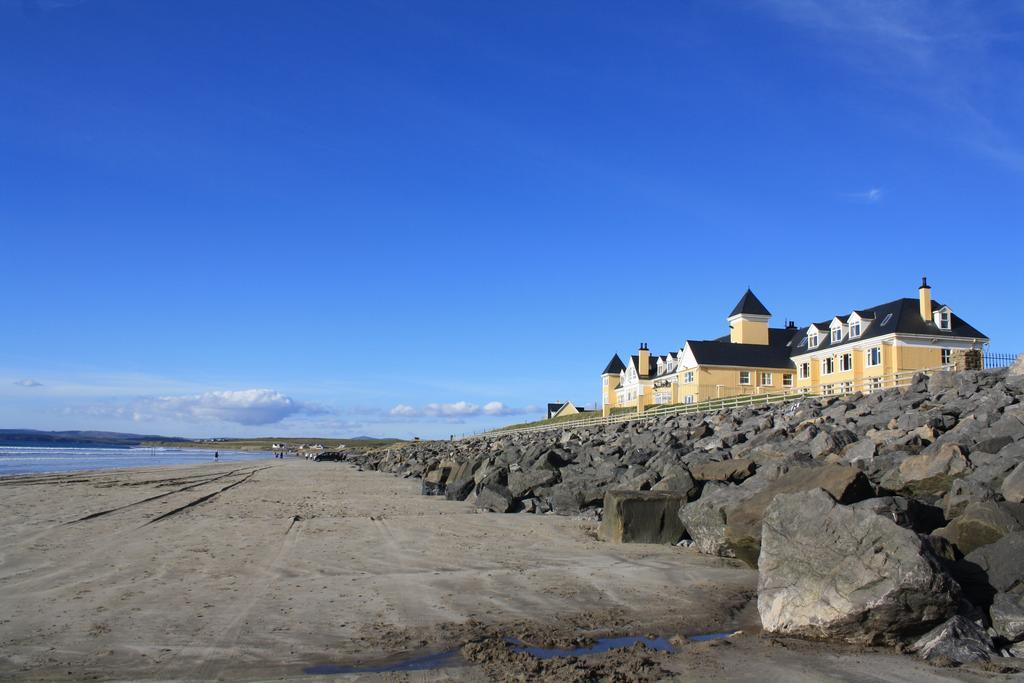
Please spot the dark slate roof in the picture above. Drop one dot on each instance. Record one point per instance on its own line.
(652, 366)
(750, 305)
(554, 408)
(615, 366)
(744, 355)
(902, 316)
(777, 336)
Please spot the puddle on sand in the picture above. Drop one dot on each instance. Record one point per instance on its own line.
(425, 663)
(599, 645)
(712, 636)
(451, 657)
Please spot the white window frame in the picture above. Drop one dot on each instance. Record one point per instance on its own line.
(875, 383)
(747, 381)
(845, 362)
(846, 387)
(804, 370)
(688, 399)
(828, 365)
(688, 377)
(945, 320)
(869, 356)
(766, 379)
(837, 334)
(787, 379)
(945, 356)
(855, 329)
(813, 339)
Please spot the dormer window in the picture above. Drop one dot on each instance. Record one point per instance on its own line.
(943, 318)
(812, 339)
(854, 329)
(837, 334)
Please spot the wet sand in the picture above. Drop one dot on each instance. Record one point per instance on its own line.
(259, 570)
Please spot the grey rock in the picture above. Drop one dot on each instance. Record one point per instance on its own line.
(983, 523)
(641, 517)
(933, 473)
(835, 572)
(705, 518)
(678, 479)
(963, 492)
(494, 497)
(743, 523)
(1007, 614)
(1013, 486)
(727, 470)
(522, 483)
(993, 568)
(906, 512)
(959, 640)
(460, 490)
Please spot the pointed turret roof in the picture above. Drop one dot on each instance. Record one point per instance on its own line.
(749, 305)
(615, 366)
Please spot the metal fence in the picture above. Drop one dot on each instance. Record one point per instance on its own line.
(865, 385)
(993, 361)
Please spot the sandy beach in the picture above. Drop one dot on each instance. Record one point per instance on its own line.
(260, 570)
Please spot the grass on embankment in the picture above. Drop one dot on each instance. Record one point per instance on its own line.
(264, 444)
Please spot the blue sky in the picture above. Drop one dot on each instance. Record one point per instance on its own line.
(424, 218)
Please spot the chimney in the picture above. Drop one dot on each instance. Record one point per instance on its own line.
(924, 296)
(644, 360)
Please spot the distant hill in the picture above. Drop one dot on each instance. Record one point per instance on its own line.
(35, 436)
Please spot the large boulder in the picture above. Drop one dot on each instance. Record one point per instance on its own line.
(743, 526)
(958, 641)
(705, 518)
(1013, 485)
(907, 512)
(962, 493)
(831, 571)
(735, 470)
(641, 517)
(991, 569)
(1007, 614)
(983, 523)
(521, 483)
(933, 473)
(678, 480)
(494, 497)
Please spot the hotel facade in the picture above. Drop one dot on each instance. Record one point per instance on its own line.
(860, 350)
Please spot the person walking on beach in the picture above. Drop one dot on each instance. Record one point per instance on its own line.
(216, 455)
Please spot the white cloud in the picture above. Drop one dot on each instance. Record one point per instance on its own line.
(457, 409)
(402, 410)
(28, 383)
(499, 408)
(871, 196)
(250, 407)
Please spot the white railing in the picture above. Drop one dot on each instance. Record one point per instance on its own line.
(868, 384)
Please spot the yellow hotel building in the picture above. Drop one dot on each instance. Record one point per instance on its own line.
(858, 350)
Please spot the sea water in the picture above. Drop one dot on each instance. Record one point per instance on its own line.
(71, 458)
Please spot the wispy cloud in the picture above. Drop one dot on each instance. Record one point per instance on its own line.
(951, 56)
(249, 407)
(28, 383)
(870, 196)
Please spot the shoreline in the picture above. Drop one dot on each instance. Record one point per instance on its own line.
(286, 565)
